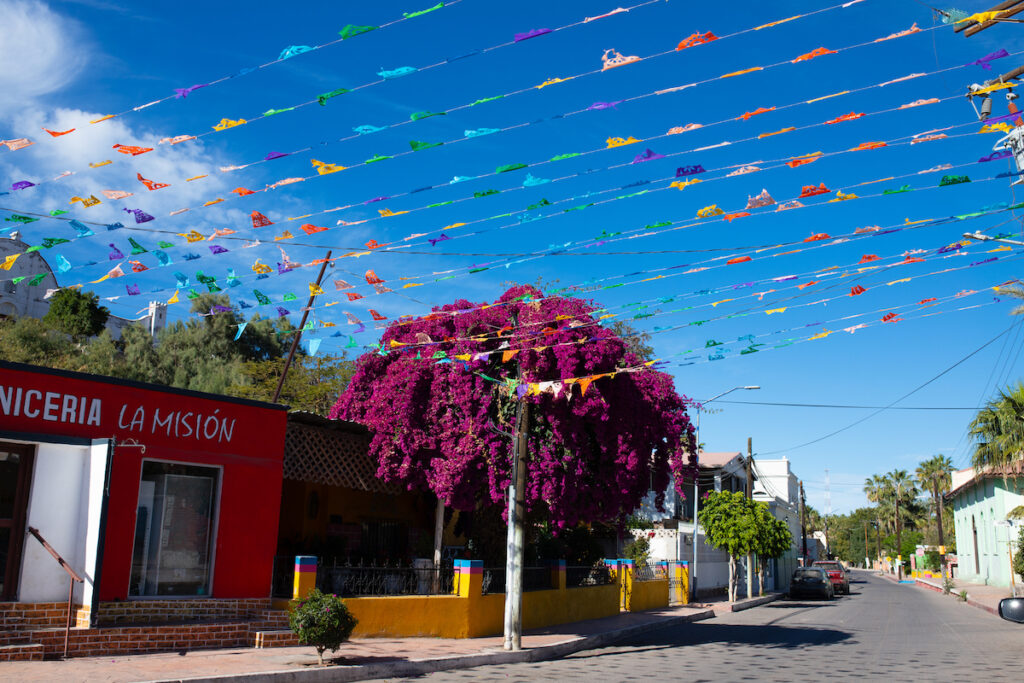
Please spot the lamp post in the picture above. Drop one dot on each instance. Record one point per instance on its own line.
(696, 476)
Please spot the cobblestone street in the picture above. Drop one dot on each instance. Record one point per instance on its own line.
(882, 630)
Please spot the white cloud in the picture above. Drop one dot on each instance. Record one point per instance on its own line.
(40, 53)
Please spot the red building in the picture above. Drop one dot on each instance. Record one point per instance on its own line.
(164, 501)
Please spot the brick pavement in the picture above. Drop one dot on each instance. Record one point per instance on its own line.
(356, 660)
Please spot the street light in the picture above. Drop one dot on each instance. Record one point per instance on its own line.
(696, 476)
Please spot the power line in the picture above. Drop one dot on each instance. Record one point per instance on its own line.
(836, 405)
(909, 393)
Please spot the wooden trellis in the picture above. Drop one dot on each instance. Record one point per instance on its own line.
(331, 452)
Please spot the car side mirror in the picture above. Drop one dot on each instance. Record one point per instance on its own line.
(1012, 609)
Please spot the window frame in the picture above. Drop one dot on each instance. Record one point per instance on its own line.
(214, 533)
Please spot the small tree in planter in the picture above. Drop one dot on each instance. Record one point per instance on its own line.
(321, 620)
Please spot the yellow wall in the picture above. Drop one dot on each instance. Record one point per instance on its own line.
(475, 615)
(440, 616)
(647, 595)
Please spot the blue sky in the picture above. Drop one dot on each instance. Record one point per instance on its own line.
(67, 63)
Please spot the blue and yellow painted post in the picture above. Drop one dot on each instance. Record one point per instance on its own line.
(558, 574)
(469, 578)
(305, 576)
(681, 574)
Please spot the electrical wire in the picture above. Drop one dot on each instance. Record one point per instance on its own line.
(836, 405)
(906, 395)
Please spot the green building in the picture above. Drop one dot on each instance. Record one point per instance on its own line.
(981, 502)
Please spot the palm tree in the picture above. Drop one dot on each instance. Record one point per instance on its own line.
(900, 485)
(998, 430)
(874, 489)
(1016, 292)
(933, 474)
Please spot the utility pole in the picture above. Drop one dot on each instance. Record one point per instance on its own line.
(828, 513)
(899, 535)
(750, 496)
(866, 563)
(1007, 9)
(516, 535)
(298, 334)
(803, 520)
(942, 538)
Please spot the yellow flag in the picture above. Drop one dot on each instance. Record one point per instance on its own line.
(173, 299)
(9, 261)
(315, 289)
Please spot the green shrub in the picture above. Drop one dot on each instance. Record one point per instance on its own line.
(948, 585)
(932, 560)
(1018, 557)
(638, 550)
(321, 620)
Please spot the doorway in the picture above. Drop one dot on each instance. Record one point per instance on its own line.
(16, 462)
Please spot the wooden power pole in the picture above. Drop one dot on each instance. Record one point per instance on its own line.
(298, 334)
(803, 520)
(750, 496)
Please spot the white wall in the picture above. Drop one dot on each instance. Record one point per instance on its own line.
(670, 544)
(64, 505)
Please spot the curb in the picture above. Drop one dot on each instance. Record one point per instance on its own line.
(973, 603)
(425, 666)
(754, 602)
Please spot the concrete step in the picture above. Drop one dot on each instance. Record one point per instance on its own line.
(275, 638)
(21, 652)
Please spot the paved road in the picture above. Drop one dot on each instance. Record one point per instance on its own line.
(882, 630)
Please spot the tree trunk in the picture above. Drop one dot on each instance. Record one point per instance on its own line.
(732, 578)
(320, 656)
(938, 514)
(760, 577)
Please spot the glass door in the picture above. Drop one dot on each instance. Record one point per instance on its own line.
(15, 482)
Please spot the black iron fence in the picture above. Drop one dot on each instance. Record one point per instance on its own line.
(649, 572)
(577, 577)
(534, 579)
(351, 581)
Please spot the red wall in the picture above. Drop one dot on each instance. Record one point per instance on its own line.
(245, 438)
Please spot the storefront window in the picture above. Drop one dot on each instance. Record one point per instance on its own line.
(174, 529)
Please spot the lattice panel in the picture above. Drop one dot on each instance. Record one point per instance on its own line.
(335, 458)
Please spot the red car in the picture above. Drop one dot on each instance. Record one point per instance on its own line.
(836, 574)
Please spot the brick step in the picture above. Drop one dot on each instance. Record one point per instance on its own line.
(275, 638)
(273, 618)
(139, 639)
(14, 637)
(21, 652)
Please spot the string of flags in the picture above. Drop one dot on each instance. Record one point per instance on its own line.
(416, 146)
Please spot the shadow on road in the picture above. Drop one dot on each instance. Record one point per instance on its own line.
(799, 604)
(705, 632)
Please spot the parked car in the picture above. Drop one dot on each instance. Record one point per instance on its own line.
(837, 575)
(811, 582)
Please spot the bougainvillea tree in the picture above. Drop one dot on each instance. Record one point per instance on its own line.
(604, 427)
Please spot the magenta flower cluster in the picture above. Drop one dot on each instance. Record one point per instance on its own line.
(438, 426)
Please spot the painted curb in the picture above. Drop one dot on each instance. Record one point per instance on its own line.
(754, 602)
(342, 674)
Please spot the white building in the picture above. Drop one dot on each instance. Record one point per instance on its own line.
(673, 539)
(26, 285)
(777, 486)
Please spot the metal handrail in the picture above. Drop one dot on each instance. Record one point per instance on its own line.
(73, 577)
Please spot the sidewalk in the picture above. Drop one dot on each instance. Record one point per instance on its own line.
(363, 659)
(978, 595)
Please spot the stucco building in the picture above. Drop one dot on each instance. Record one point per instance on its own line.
(981, 502)
(27, 284)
